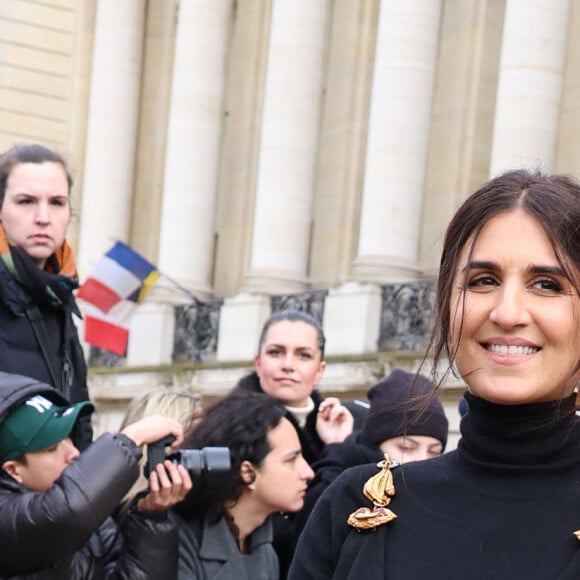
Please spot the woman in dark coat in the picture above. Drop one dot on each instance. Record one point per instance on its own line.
(56, 503)
(289, 365)
(38, 337)
(505, 504)
(407, 433)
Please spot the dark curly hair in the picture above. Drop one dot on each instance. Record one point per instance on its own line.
(242, 422)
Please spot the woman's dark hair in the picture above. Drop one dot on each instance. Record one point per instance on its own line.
(242, 422)
(29, 153)
(552, 200)
(294, 316)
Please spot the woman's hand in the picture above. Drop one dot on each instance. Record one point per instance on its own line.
(168, 485)
(153, 428)
(334, 422)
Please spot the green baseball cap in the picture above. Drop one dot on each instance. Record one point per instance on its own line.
(37, 424)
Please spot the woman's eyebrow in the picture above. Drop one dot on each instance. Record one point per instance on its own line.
(540, 269)
(533, 268)
(480, 265)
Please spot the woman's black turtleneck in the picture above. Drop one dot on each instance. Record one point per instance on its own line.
(504, 505)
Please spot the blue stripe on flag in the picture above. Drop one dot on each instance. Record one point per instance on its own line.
(131, 260)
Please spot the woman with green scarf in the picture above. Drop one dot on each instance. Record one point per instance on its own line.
(38, 274)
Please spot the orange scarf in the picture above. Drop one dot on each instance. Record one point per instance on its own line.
(64, 256)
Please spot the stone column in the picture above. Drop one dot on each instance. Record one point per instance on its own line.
(568, 148)
(288, 148)
(152, 323)
(152, 131)
(79, 107)
(402, 96)
(241, 145)
(343, 140)
(462, 119)
(111, 129)
(530, 84)
(193, 142)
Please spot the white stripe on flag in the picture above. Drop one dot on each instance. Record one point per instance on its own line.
(110, 273)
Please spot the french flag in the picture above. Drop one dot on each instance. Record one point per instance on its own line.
(119, 280)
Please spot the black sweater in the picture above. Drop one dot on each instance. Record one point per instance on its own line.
(504, 505)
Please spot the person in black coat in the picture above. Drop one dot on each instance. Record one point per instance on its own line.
(289, 365)
(56, 502)
(407, 432)
(504, 505)
(38, 337)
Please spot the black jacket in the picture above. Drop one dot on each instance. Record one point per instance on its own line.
(20, 352)
(503, 506)
(335, 459)
(66, 532)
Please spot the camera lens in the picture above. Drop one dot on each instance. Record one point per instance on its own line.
(206, 462)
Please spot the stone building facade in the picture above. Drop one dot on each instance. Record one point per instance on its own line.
(266, 153)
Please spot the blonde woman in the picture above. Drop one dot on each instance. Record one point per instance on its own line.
(180, 405)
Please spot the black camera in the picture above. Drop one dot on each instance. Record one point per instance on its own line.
(208, 464)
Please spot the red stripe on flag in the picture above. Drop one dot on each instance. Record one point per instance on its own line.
(96, 293)
(103, 334)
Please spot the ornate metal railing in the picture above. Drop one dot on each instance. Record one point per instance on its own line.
(406, 315)
(196, 331)
(311, 301)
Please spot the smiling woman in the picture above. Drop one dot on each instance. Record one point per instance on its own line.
(505, 504)
(38, 337)
(513, 314)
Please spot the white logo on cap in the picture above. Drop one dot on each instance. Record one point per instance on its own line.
(39, 403)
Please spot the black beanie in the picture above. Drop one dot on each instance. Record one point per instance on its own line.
(399, 407)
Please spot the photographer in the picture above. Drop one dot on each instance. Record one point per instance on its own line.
(224, 528)
(56, 502)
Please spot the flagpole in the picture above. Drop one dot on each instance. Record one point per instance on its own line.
(175, 283)
(180, 287)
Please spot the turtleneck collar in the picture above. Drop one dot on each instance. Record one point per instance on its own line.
(534, 435)
(301, 413)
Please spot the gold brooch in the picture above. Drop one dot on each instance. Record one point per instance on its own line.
(379, 489)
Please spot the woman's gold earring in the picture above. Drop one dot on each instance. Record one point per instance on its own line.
(248, 474)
